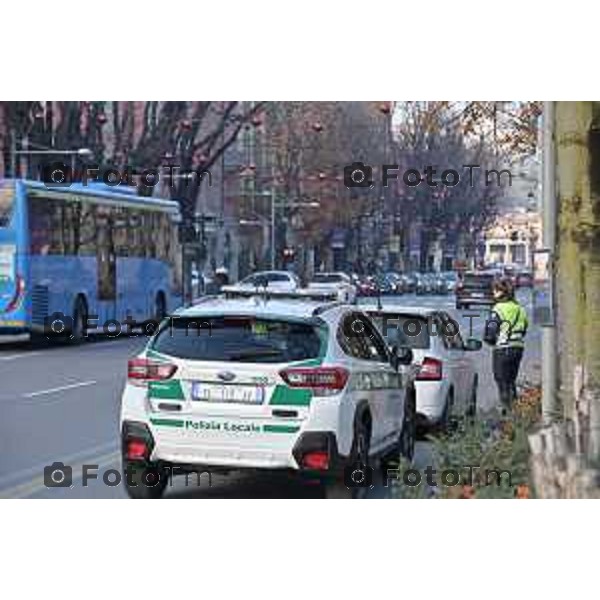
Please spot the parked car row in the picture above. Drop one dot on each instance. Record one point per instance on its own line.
(382, 284)
(392, 283)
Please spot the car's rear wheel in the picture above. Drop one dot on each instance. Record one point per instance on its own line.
(144, 483)
(471, 410)
(445, 421)
(408, 436)
(160, 307)
(79, 321)
(336, 488)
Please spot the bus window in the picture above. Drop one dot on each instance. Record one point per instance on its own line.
(105, 253)
(86, 230)
(135, 240)
(120, 233)
(40, 225)
(7, 197)
(175, 258)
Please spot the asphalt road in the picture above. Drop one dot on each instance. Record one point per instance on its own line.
(62, 404)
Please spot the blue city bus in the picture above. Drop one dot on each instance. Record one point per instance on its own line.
(88, 252)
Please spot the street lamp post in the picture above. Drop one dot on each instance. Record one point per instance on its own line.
(385, 108)
(273, 221)
(273, 226)
(317, 128)
(82, 152)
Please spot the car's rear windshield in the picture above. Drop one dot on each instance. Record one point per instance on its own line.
(483, 279)
(332, 278)
(239, 339)
(7, 198)
(409, 331)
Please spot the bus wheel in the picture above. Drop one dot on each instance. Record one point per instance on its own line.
(79, 320)
(160, 307)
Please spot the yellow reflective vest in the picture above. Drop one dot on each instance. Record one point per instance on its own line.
(512, 324)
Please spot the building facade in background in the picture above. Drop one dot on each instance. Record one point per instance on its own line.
(512, 239)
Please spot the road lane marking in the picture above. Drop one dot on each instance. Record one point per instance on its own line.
(36, 485)
(80, 456)
(60, 389)
(19, 355)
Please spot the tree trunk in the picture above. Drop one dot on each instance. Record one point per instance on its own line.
(565, 456)
(578, 254)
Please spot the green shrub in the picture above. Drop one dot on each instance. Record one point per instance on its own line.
(494, 443)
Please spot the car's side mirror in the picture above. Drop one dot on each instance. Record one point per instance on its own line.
(472, 345)
(401, 355)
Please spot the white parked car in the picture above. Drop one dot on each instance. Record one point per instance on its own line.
(339, 282)
(274, 280)
(447, 381)
(283, 385)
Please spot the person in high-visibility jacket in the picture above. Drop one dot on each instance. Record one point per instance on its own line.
(505, 330)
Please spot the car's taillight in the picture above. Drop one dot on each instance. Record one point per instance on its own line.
(140, 370)
(430, 370)
(332, 379)
(137, 450)
(19, 292)
(317, 459)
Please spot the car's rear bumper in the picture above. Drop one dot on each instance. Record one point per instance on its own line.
(284, 454)
(463, 299)
(431, 401)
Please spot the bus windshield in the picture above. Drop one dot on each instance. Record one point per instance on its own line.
(7, 195)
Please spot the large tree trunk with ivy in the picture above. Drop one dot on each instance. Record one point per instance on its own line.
(565, 454)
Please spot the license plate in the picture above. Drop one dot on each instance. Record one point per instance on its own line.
(478, 295)
(216, 392)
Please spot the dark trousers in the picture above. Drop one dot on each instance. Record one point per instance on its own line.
(505, 364)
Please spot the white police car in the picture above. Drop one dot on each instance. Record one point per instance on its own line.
(250, 383)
